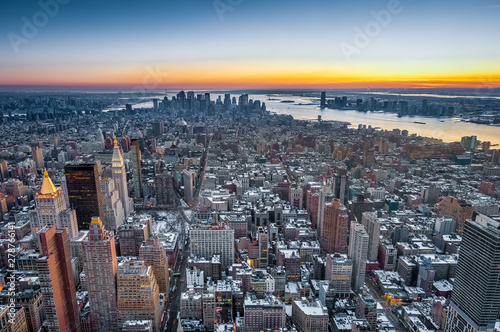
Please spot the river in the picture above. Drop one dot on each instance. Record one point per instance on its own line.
(446, 128)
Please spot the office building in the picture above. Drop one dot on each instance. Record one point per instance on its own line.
(135, 158)
(339, 272)
(209, 240)
(84, 191)
(101, 267)
(57, 280)
(113, 207)
(372, 226)
(475, 300)
(358, 251)
(340, 186)
(119, 176)
(51, 209)
(158, 128)
(154, 255)
(188, 178)
(334, 228)
(37, 153)
(164, 189)
(138, 295)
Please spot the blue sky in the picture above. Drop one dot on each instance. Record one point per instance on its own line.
(97, 34)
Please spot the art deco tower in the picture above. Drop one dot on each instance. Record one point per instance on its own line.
(120, 178)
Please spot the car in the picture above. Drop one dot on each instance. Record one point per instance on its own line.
(182, 280)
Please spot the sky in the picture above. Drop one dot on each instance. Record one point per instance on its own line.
(192, 44)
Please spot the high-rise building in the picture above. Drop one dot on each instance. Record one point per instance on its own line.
(158, 128)
(359, 205)
(358, 251)
(113, 207)
(323, 99)
(119, 176)
(84, 192)
(57, 281)
(475, 301)
(138, 295)
(263, 239)
(37, 153)
(101, 267)
(341, 186)
(209, 240)
(12, 319)
(153, 254)
(51, 209)
(339, 271)
(164, 188)
(188, 177)
(372, 226)
(334, 228)
(135, 159)
(227, 100)
(459, 210)
(133, 234)
(4, 170)
(368, 157)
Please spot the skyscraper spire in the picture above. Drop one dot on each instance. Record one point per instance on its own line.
(47, 184)
(117, 156)
(119, 175)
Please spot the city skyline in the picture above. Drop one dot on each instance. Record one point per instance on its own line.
(241, 44)
(247, 166)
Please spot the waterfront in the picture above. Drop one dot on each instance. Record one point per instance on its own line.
(307, 108)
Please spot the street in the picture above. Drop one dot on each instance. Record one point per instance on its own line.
(388, 311)
(173, 306)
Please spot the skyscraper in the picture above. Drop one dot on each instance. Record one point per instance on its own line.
(323, 99)
(153, 254)
(136, 167)
(188, 177)
(113, 207)
(158, 128)
(208, 240)
(138, 294)
(38, 156)
(372, 227)
(51, 209)
(164, 188)
(101, 267)
(120, 178)
(358, 251)
(334, 228)
(475, 301)
(56, 280)
(338, 270)
(341, 185)
(84, 191)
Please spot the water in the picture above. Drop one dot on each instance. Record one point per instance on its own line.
(447, 129)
